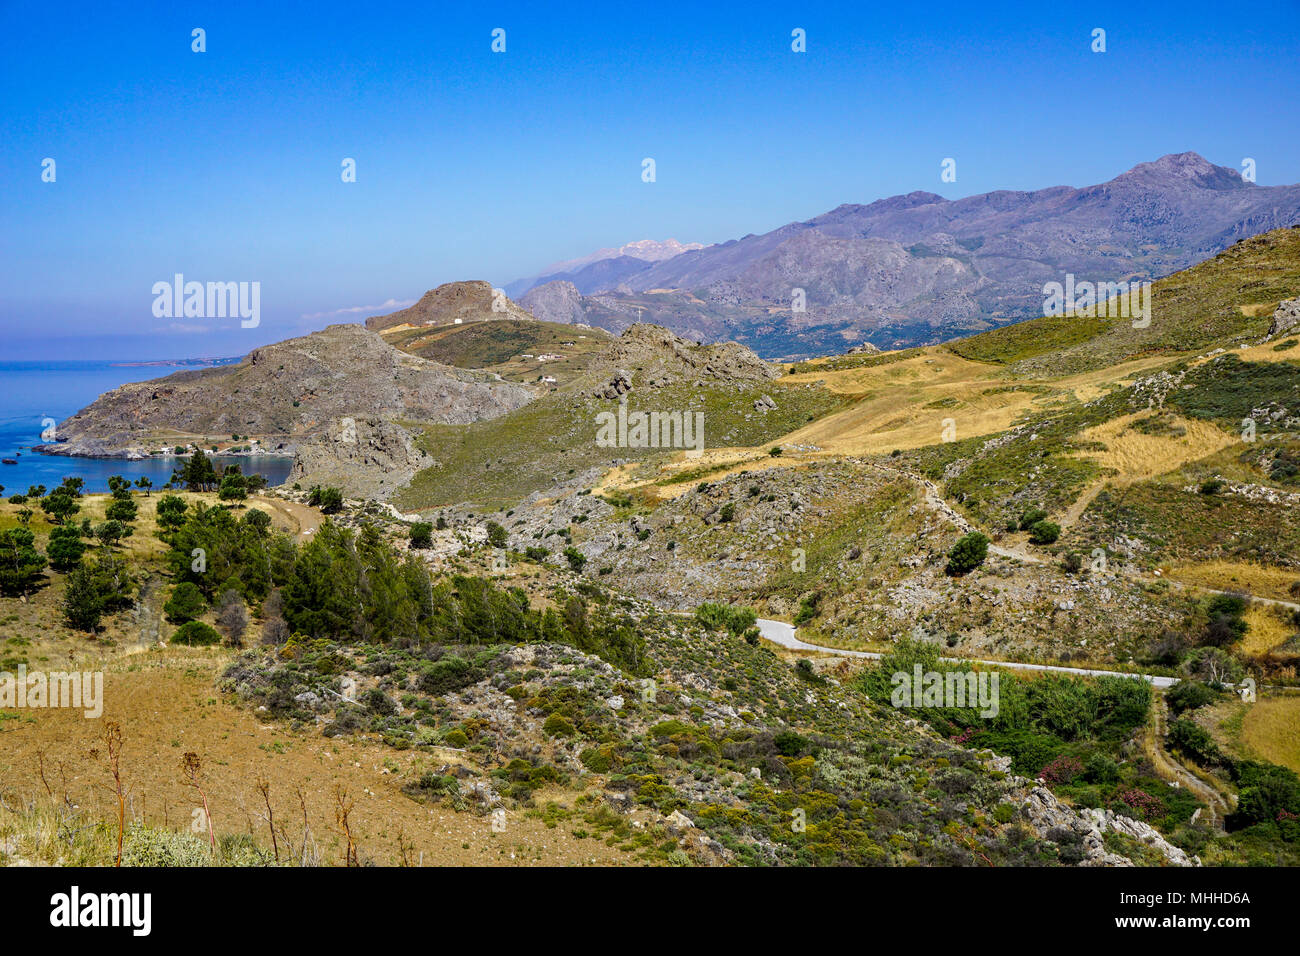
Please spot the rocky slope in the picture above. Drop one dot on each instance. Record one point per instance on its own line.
(472, 301)
(661, 358)
(364, 457)
(557, 301)
(283, 392)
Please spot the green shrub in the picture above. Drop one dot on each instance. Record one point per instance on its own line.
(196, 632)
(790, 744)
(185, 604)
(1031, 518)
(1044, 532)
(557, 725)
(968, 553)
(497, 535)
(421, 534)
(717, 617)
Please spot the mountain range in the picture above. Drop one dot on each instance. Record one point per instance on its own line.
(625, 259)
(918, 268)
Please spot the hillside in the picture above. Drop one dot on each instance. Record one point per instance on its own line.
(564, 630)
(552, 441)
(519, 350)
(281, 392)
(450, 303)
(1226, 301)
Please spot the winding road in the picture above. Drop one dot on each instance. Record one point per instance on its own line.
(779, 632)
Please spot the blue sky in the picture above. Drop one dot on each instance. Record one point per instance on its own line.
(225, 165)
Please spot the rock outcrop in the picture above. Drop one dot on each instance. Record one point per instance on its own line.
(1285, 317)
(364, 457)
(661, 358)
(555, 302)
(452, 302)
(284, 392)
(1055, 821)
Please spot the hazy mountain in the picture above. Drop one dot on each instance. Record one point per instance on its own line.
(920, 268)
(588, 273)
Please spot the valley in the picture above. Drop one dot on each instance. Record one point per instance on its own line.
(465, 631)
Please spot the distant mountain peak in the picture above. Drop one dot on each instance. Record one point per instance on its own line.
(647, 251)
(1189, 167)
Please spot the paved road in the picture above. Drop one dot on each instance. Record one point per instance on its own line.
(778, 632)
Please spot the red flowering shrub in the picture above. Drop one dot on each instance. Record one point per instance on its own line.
(1061, 770)
(1141, 801)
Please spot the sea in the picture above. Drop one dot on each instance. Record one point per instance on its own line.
(31, 393)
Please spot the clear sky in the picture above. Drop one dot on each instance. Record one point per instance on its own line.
(225, 165)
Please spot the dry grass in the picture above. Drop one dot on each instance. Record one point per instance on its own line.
(1136, 456)
(1271, 730)
(1256, 579)
(167, 704)
(1268, 627)
(904, 404)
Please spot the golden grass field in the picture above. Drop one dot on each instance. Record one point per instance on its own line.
(1135, 456)
(1268, 627)
(1256, 579)
(166, 703)
(1269, 730)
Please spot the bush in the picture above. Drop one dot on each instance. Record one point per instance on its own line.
(154, 846)
(737, 620)
(577, 560)
(557, 725)
(1044, 532)
(185, 604)
(1225, 624)
(196, 632)
(1267, 792)
(496, 535)
(421, 534)
(598, 759)
(727, 512)
(82, 606)
(807, 609)
(1099, 768)
(1211, 486)
(790, 744)
(968, 554)
(328, 500)
(65, 548)
(534, 553)
(1190, 694)
(1194, 741)
(121, 509)
(1031, 518)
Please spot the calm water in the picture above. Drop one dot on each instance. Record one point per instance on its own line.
(31, 392)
